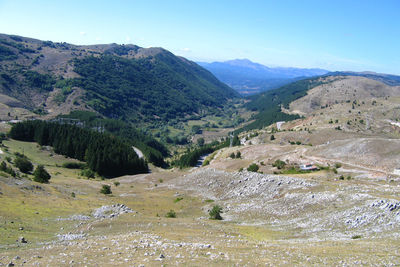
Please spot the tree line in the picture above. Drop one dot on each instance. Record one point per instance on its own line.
(191, 157)
(104, 153)
(154, 151)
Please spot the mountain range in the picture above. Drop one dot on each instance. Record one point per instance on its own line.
(118, 81)
(248, 77)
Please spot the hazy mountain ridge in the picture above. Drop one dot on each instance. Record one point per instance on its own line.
(248, 77)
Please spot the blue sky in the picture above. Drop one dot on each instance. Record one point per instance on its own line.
(336, 35)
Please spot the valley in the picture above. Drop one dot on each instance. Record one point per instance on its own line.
(156, 210)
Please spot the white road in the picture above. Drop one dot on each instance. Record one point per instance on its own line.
(138, 152)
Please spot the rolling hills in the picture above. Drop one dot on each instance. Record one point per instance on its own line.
(347, 212)
(118, 81)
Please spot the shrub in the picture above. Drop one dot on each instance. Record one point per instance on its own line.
(253, 168)
(23, 164)
(74, 165)
(200, 141)
(215, 213)
(171, 214)
(105, 189)
(238, 155)
(73, 195)
(117, 183)
(356, 237)
(338, 165)
(272, 138)
(3, 166)
(232, 155)
(279, 164)
(87, 173)
(41, 175)
(178, 199)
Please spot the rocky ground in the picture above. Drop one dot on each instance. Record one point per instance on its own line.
(346, 214)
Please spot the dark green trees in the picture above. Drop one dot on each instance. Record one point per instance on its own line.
(215, 213)
(23, 164)
(253, 168)
(105, 189)
(40, 175)
(103, 153)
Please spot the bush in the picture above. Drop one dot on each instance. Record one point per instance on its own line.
(41, 175)
(279, 164)
(238, 155)
(171, 214)
(88, 173)
(215, 213)
(338, 165)
(200, 141)
(23, 164)
(232, 155)
(253, 168)
(176, 200)
(3, 166)
(74, 165)
(117, 183)
(105, 189)
(272, 138)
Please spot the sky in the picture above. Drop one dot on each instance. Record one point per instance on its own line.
(356, 35)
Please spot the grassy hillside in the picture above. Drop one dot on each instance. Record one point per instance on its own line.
(118, 81)
(268, 104)
(162, 87)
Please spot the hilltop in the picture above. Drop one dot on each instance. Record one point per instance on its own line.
(117, 81)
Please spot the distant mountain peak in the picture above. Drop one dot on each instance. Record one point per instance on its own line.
(248, 77)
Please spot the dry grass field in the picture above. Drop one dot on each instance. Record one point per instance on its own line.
(345, 214)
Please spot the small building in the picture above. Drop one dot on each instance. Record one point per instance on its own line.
(308, 167)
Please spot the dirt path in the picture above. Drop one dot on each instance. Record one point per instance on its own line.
(138, 152)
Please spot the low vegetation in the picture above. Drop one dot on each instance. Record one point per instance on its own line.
(40, 175)
(171, 214)
(106, 189)
(215, 213)
(253, 168)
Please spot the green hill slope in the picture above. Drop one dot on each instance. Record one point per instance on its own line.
(118, 81)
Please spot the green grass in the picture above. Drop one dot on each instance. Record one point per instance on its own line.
(294, 170)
